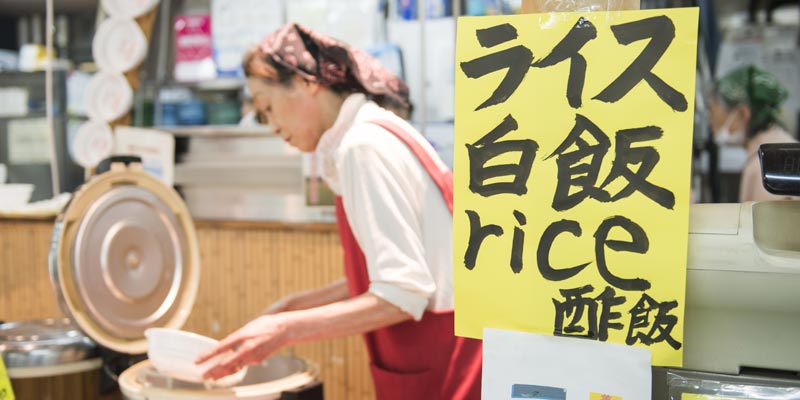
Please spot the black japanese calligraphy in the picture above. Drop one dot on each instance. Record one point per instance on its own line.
(639, 244)
(607, 300)
(646, 157)
(516, 60)
(573, 172)
(575, 305)
(661, 31)
(579, 314)
(518, 243)
(660, 328)
(477, 234)
(569, 48)
(501, 162)
(488, 148)
(598, 311)
(546, 243)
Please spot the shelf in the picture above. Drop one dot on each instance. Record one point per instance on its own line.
(23, 7)
(217, 131)
(221, 84)
(218, 84)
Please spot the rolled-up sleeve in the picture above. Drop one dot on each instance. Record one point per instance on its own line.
(383, 210)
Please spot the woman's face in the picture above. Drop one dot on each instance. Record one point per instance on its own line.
(718, 114)
(292, 110)
(722, 118)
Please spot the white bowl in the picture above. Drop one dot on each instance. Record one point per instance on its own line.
(128, 8)
(108, 96)
(119, 45)
(172, 352)
(15, 195)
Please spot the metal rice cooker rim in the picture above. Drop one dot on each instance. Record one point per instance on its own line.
(43, 343)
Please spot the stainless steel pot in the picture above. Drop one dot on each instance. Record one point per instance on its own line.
(40, 343)
(50, 359)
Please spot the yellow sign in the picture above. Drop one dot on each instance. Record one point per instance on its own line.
(6, 393)
(690, 396)
(572, 172)
(600, 396)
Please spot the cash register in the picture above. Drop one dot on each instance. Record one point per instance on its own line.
(742, 318)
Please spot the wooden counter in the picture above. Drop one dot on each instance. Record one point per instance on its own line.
(245, 267)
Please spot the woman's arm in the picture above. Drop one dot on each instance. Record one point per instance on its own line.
(266, 334)
(331, 293)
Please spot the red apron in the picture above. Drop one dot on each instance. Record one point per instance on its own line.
(414, 360)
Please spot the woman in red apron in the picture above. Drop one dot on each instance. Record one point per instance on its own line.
(394, 211)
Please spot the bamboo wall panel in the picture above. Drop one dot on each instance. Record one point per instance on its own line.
(25, 290)
(245, 267)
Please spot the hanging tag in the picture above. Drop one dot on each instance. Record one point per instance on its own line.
(6, 393)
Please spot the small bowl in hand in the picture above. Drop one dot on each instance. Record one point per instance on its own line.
(173, 353)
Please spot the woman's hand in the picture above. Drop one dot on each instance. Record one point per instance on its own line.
(266, 334)
(251, 344)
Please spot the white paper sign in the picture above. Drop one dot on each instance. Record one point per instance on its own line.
(156, 149)
(13, 101)
(28, 141)
(351, 21)
(236, 25)
(519, 365)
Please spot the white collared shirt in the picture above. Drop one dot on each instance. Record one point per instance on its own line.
(394, 208)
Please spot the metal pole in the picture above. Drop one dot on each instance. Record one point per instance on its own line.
(48, 83)
(422, 6)
(161, 59)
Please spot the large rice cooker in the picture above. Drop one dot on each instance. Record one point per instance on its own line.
(50, 359)
(124, 258)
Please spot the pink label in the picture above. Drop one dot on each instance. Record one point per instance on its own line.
(192, 37)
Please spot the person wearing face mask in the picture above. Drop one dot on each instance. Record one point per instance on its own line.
(394, 211)
(744, 112)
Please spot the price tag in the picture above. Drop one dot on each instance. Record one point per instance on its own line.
(6, 393)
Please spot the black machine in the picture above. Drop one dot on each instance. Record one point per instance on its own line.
(780, 168)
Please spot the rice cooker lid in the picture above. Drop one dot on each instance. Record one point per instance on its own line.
(124, 258)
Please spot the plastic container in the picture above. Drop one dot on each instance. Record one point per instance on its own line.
(192, 113)
(224, 112)
(15, 195)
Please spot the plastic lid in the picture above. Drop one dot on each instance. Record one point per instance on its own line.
(108, 96)
(128, 8)
(92, 143)
(119, 45)
(125, 258)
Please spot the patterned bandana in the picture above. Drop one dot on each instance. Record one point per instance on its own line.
(320, 58)
(755, 88)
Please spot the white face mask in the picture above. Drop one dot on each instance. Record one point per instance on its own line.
(724, 136)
